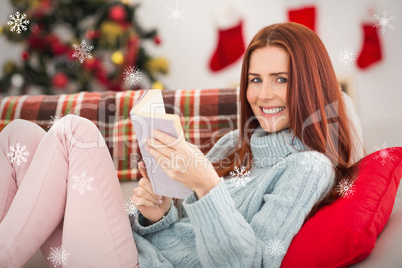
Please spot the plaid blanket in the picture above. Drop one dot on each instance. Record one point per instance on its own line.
(206, 114)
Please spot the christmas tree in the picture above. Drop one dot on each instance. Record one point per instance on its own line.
(79, 45)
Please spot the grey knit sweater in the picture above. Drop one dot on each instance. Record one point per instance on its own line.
(248, 222)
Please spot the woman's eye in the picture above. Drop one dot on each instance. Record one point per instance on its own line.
(256, 80)
(282, 80)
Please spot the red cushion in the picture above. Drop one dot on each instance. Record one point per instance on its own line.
(345, 232)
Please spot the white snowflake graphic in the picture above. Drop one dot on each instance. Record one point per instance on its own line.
(82, 182)
(383, 22)
(384, 153)
(176, 14)
(17, 22)
(18, 154)
(58, 256)
(345, 188)
(132, 76)
(275, 247)
(82, 51)
(240, 177)
(129, 208)
(58, 124)
(346, 56)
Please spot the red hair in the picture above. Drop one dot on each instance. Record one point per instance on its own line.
(317, 113)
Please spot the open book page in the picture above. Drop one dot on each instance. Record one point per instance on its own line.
(144, 122)
(151, 101)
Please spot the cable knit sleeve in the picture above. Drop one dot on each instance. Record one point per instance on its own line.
(138, 223)
(224, 238)
(223, 146)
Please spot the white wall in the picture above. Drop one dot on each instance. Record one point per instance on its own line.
(378, 88)
(189, 45)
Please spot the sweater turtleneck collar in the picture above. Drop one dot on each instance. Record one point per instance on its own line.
(270, 148)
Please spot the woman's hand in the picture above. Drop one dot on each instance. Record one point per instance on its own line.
(183, 162)
(152, 207)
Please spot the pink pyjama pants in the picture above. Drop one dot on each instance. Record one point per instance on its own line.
(59, 191)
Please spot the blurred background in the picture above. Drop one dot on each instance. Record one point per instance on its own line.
(97, 45)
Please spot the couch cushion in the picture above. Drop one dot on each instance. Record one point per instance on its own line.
(345, 232)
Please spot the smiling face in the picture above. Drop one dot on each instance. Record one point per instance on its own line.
(267, 87)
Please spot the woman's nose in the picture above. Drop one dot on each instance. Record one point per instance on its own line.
(266, 92)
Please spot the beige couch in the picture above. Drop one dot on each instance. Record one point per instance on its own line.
(386, 254)
(388, 250)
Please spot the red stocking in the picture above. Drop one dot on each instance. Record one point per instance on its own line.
(230, 47)
(371, 51)
(305, 16)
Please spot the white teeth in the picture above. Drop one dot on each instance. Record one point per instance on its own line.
(273, 110)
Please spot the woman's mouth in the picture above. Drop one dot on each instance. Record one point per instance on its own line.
(273, 110)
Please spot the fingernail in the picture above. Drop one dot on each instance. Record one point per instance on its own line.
(159, 197)
(156, 206)
(159, 202)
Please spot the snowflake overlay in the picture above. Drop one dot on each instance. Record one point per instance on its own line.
(58, 124)
(17, 22)
(129, 208)
(82, 183)
(384, 153)
(18, 154)
(346, 56)
(275, 247)
(58, 256)
(132, 76)
(383, 22)
(82, 51)
(176, 14)
(345, 189)
(240, 177)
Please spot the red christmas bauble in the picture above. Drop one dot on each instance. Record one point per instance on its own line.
(35, 29)
(24, 55)
(38, 13)
(59, 49)
(91, 34)
(56, 46)
(60, 80)
(117, 13)
(36, 42)
(70, 52)
(157, 39)
(91, 64)
(45, 4)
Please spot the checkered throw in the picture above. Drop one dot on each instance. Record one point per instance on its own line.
(206, 114)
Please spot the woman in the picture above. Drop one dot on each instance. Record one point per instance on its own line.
(294, 141)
